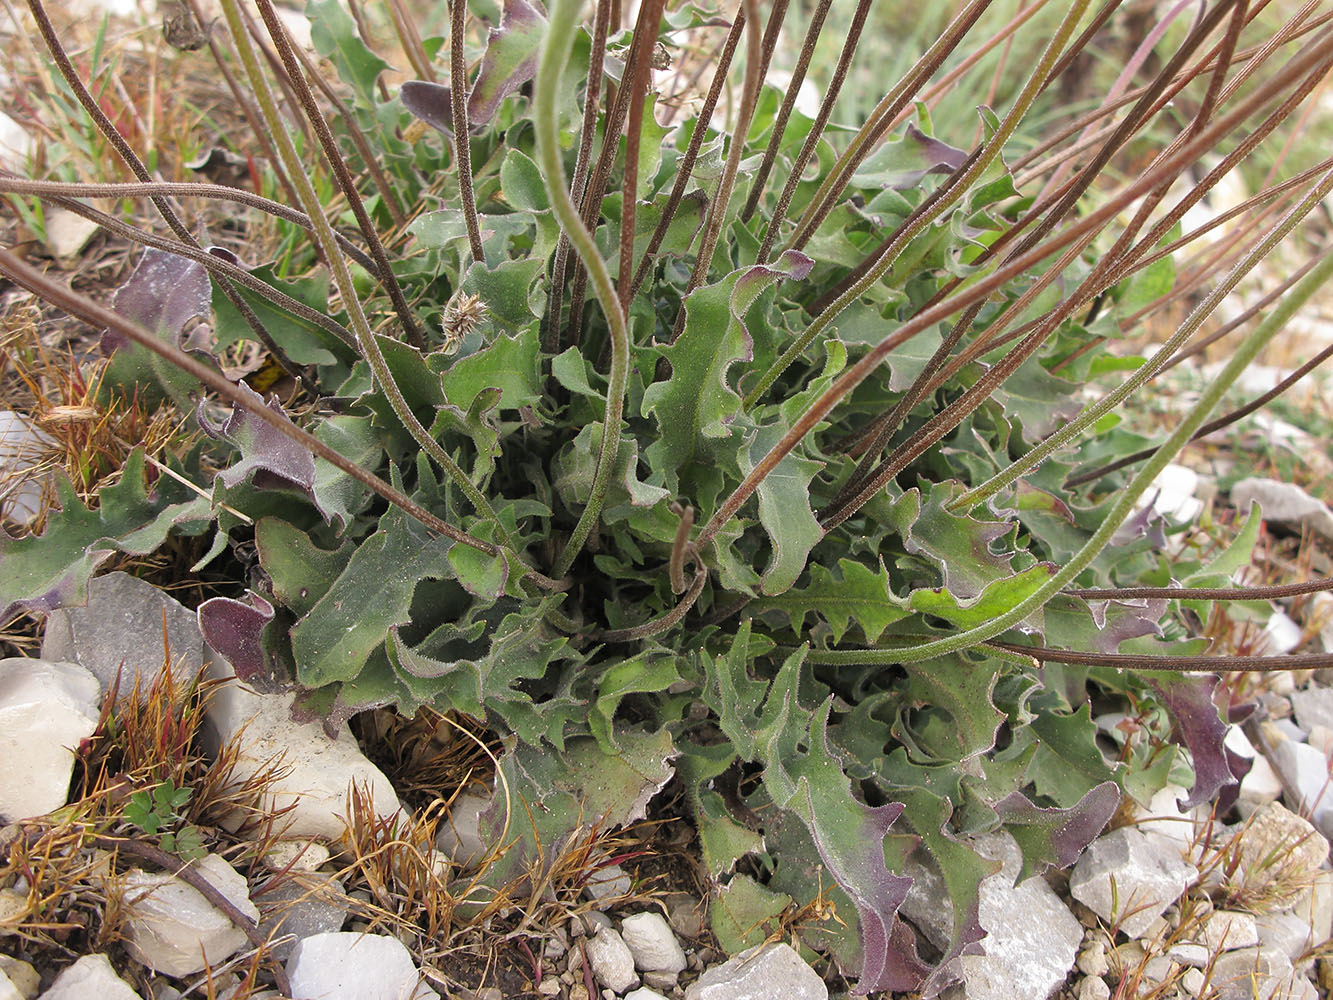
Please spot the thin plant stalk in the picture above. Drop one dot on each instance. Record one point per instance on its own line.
(959, 186)
(462, 144)
(685, 169)
(717, 208)
(1128, 497)
(1066, 434)
(779, 129)
(561, 26)
(365, 337)
(287, 53)
(1313, 57)
(555, 299)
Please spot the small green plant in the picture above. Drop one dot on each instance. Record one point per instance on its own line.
(780, 462)
(157, 811)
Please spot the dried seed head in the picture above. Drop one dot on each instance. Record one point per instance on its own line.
(461, 315)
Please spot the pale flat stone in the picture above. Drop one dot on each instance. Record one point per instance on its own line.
(643, 993)
(1030, 957)
(608, 882)
(46, 709)
(1253, 972)
(315, 774)
(173, 929)
(1306, 771)
(1276, 839)
(459, 836)
(1285, 503)
(22, 976)
(23, 446)
(295, 855)
(91, 976)
(1314, 905)
(349, 966)
(611, 961)
(1226, 930)
(8, 991)
(651, 942)
(1313, 706)
(766, 972)
(1093, 988)
(1148, 872)
(118, 633)
(67, 232)
(1286, 931)
(1165, 817)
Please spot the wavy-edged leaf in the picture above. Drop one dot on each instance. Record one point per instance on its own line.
(695, 405)
(371, 595)
(334, 35)
(853, 595)
(49, 571)
(784, 509)
(1200, 726)
(1055, 837)
(510, 61)
(164, 293)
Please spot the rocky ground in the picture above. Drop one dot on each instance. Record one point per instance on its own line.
(1165, 904)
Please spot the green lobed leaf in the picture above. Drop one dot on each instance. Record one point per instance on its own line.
(371, 596)
(49, 571)
(695, 405)
(854, 595)
(334, 35)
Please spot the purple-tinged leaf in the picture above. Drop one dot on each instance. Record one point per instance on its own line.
(849, 836)
(164, 293)
(235, 629)
(431, 103)
(1055, 837)
(512, 52)
(1200, 727)
(272, 458)
(900, 164)
(962, 869)
(1099, 626)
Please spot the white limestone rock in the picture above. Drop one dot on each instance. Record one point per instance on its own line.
(1305, 771)
(91, 976)
(1030, 957)
(173, 929)
(643, 993)
(611, 961)
(295, 855)
(8, 991)
(1256, 972)
(766, 972)
(1314, 905)
(350, 966)
(22, 976)
(607, 883)
(1148, 871)
(46, 708)
(316, 774)
(652, 943)
(1313, 706)
(23, 445)
(1285, 503)
(1227, 930)
(1286, 931)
